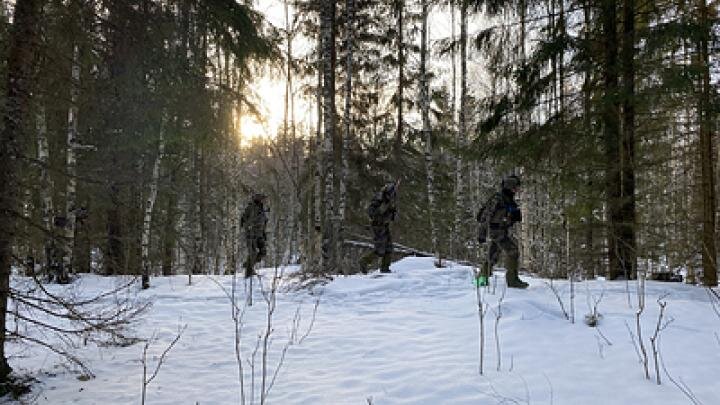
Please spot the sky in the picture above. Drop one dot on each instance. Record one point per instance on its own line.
(270, 87)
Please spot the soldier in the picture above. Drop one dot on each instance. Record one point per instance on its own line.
(496, 218)
(254, 220)
(382, 212)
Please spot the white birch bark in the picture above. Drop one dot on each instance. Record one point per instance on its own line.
(296, 201)
(149, 206)
(427, 132)
(294, 171)
(233, 205)
(200, 214)
(453, 54)
(317, 201)
(399, 10)
(453, 107)
(198, 262)
(71, 162)
(462, 127)
(350, 28)
(327, 22)
(46, 185)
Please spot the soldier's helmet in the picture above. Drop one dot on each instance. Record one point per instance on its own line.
(389, 189)
(511, 182)
(259, 197)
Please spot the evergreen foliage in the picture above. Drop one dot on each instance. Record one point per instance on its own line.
(611, 125)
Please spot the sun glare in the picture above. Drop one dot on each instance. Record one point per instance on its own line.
(269, 103)
(251, 128)
(269, 100)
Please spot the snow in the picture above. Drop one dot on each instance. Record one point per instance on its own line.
(409, 337)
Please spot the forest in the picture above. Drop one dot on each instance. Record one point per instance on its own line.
(125, 151)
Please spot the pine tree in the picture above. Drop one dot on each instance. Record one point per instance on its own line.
(23, 44)
(706, 117)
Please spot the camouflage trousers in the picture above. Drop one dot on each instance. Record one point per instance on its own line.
(255, 253)
(382, 240)
(382, 247)
(501, 240)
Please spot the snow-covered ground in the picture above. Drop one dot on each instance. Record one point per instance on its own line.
(410, 337)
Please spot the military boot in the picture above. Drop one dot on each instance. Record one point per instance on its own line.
(513, 281)
(511, 276)
(365, 262)
(249, 272)
(385, 263)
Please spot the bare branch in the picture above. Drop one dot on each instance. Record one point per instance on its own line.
(559, 300)
(682, 387)
(75, 360)
(161, 360)
(165, 352)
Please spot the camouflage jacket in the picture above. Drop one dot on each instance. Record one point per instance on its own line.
(382, 209)
(499, 213)
(254, 220)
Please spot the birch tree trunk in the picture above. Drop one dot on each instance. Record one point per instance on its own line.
(562, 30)
(46, 187)
(297, 198)
(453, 107)
(71, 162)
(198, 260)
(317, 201)
(705, 109)
(688, 197)
(399, 10)
(462, 128)
(327, 28)
(347, 121)
(427, 132)
(293, 216)
(149, 206)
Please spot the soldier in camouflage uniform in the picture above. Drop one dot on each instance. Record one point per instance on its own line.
(496, 218)
(382, 212)
(254, 220)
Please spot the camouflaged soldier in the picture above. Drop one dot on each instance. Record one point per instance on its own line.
(254, 220)
(496, 218)
(382, 211)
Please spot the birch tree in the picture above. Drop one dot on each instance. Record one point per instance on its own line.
(399, 11)
(427, 131)
(462, 127)
(289, 115)
(347, 121)
(46, 185)
(327, 31)
(316, 247)
(71, 162)
(149, 206)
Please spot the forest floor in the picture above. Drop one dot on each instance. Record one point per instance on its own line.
(409, 337)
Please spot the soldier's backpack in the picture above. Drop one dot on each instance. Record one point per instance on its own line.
(373, 207)
(492, 212)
